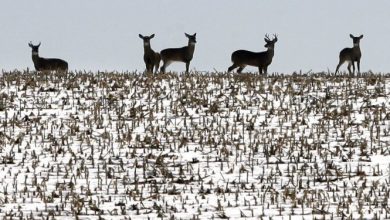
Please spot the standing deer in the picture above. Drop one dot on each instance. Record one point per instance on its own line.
(183, 54)
(46, 64)
(351, 55)
(262, 60)
(151, 58)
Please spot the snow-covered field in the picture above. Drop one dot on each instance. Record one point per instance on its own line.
(117, 146)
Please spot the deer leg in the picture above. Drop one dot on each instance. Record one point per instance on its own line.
(240, 69)
(260, 70)
(157, 61)
(164, 66)
(338, 66)
(232, 67)
(353, 67)
(358, 66)
(156, 66)
(265, 70)
(349, 67)
(187, 66)
(149, 68)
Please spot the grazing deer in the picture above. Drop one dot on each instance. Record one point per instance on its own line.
(351, 55)
(262, 60)
(46, 64)
(183, 54)
(151, 58)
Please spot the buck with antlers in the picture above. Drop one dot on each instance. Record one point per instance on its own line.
(46, 64)
(262, 60)
(351, 55)
(151, 58)
(183, 54)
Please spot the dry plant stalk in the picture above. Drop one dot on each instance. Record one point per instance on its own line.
(228, 146)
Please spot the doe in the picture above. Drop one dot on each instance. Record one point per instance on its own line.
(151, 58)
(262, 60)
(46, 64)
(351, 55)
(183, 54)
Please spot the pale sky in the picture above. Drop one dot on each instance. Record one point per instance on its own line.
(103, 35)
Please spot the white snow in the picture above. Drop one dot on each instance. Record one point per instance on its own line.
(187, 147)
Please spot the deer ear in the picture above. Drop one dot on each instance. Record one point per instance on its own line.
(187, 35)
(140, 36)
(30, 45)
(195, 35)
(39, 44)
(351, 36)
(361, 36)
(151, 36)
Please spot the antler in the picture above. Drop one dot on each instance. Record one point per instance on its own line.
(275, 38)
(267, 37)
(31, 44)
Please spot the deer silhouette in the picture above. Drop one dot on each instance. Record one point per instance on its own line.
(242, 58)
(46, 64)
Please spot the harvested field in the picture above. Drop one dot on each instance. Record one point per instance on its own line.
(125, 146)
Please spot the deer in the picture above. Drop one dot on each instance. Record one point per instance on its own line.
(351, 55)
(46, 64)
(151, 58)
(242, 58)
(183, 54)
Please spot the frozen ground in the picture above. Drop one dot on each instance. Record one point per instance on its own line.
(117, 146)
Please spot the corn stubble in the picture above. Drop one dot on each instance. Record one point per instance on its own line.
(125, 146)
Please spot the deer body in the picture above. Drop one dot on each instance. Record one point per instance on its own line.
(183, 54)
(351, 55)
(151, 58)
(262, 60)
(46, 64)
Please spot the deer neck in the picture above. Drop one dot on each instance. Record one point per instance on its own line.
(356, 51)
(270, 52)
(147, 48)
(356, 47)
(191, 47)
(35, 56)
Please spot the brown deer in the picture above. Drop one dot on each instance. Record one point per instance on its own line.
(262, 60)
(183, 54)
(351, 55)
(46, 64)
(151, 58)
